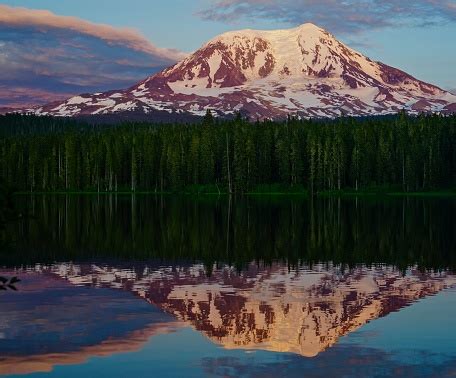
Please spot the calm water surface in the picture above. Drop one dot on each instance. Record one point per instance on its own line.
(146, 286)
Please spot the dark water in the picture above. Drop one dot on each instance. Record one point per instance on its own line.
(182, 287)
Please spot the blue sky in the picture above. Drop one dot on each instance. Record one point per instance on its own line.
(417, 37)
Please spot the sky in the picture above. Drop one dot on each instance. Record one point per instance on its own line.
(101, 45)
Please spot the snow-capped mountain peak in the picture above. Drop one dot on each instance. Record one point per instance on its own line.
(303, 71)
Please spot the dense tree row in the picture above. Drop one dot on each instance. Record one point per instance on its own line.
(408, 153)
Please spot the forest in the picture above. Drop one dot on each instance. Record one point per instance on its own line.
(401, 152)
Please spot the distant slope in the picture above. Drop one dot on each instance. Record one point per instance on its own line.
(269, 74)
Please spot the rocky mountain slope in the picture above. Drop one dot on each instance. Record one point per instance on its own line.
(303, 71)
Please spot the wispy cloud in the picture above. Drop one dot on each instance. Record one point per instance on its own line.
(44, 56)
(45, 20)
(339, 16)
(19, 97)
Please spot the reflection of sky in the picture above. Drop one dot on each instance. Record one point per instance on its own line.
(49, 316)
(429, 326)
(418, 340)
(384, 347)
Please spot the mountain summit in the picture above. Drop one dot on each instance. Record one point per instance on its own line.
(304, 71)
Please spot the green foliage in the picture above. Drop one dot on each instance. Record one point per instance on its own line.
(43, 154)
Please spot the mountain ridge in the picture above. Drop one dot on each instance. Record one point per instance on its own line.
(303, 71)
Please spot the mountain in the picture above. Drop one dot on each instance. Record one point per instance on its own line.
(303, 71)
(303, 311)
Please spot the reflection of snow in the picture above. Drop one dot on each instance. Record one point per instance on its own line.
(302, 311)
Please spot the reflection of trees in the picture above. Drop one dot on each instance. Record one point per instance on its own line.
(7, 208)
(400, 232)
(8, 214)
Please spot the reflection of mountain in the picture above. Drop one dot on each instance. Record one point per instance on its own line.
(301, 311)
(51, 322)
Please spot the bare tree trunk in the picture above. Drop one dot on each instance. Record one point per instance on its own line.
(338, 176)
(228, 227)
(403, 173)
(66, 171)
(60, 164)
(228, 162)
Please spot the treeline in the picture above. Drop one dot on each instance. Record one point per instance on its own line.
(403, 152)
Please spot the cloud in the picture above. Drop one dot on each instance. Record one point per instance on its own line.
(23, 17)
(19, 97)
(45, 57)
(338, 16)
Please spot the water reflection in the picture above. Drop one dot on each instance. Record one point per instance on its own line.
(398, 232)
(105, 276)
(60, 318)
(302, 311)
(50, 321)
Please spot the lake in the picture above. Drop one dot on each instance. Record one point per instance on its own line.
(180, 286)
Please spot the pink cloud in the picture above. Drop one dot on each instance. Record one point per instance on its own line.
(16, 16)
(24, 97)
(67, 55)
